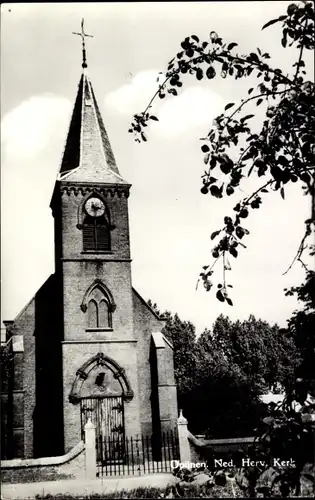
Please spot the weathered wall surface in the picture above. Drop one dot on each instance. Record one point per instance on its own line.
(18, 388)
(69, 466)
(75, 354)
(201, 448)
(145, 322)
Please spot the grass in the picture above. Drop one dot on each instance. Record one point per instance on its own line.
(192, 492)
(215, 492)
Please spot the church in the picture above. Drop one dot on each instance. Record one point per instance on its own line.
(87, 345)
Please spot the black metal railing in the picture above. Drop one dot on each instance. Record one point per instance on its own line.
(121, 456)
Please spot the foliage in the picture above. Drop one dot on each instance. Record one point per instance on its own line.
(221, 374)
(266, 355)
(287, 432)
(281, 151)
(237, 362)
(302, 327)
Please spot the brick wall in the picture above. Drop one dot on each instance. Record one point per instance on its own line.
(145, 322)
(71, 214)
(74, 356)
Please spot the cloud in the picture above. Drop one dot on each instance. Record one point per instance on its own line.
(32, 126)
(195, 106)
(132, 97)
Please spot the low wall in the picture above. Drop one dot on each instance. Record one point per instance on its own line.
(201, 448)
(69, 466)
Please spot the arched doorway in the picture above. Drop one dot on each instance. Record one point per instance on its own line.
(101, 388)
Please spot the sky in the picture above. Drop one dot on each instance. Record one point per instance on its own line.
(170, 220)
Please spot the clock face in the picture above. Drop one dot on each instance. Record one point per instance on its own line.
(95, 207)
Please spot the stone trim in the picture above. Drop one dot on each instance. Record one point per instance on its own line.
(85, 369)
(99, 330)
(168, 342)
(81, 214)
(102, 341)
(109, 190)
(222, 441)
(95, 255)
(35, 462)
(106, 291)
(166, 385)
(15, 391)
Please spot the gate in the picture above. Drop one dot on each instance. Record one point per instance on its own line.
(137, 455)
(107, 414)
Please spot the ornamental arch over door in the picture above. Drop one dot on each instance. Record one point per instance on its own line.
(101, 388)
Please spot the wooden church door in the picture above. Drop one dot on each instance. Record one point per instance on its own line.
(102, 401)
(107, 414)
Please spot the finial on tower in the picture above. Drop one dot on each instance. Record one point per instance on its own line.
(83, 35)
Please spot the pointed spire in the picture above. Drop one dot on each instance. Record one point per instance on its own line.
(88, 156)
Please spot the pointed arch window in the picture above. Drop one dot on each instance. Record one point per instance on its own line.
(99, 306)
(92, 314)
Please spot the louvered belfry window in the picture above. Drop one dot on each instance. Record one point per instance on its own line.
(96, 234)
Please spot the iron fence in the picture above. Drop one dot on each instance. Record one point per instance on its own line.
(120, 456)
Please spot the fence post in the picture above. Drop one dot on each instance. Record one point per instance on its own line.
(184, 447)
(90, 450)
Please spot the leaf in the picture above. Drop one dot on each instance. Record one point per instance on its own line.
(284, 39)
(282, 193)
(194, 37)
(143, 137)
(220, 296)
(199, 74)
(205, 148)
(244, 213)
(152, 117)
(273, 21)
(268, 420)
(239, 232)
(210, 73)
(254, 57)
(259, 101)
(229, 301)
(228, 106)
(232, 45)
(214, 234)
(247, 117)
(215, 191)
(206, 158)
(233, 251)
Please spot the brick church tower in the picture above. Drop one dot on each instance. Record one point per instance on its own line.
(92, 347)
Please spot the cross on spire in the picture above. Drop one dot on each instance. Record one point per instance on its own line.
(83, 35)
